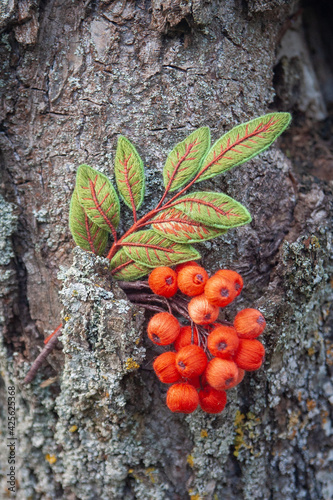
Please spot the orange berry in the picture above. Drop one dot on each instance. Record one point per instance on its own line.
(234, 277)
(163, 281)
(250, 354)
(182, 398)
(201, 311)
(241, 374)
(179, 267)
(185, 337)
(195, 381)
(165, 368)
(211, 400)
(223, 342)
(191, 280)
(191, 360)
(163, 328)
(249, 323)
(220, 291)
(221, 373)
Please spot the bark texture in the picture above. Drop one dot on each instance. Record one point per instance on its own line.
(94, 425)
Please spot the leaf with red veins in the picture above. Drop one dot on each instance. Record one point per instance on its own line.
(86, 234)
(214, 209)
(154, 250)
(126, 269)
(179, 227)
(129, 174)
(98, 198)
(242, 143)
(185, 159)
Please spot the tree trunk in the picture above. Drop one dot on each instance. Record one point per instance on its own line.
(94, 424)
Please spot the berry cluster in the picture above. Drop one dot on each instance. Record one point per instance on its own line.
(209, 356)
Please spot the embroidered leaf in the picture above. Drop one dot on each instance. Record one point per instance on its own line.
(213, 209)
(129, 174)
(86, 234)
(177, 226)
(184, 160)
(124, 268)
(153, 250)
(98, 198)
(242, 143)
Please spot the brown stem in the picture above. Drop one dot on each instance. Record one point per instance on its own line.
(134, 285)
(150, 307)
(41, 357)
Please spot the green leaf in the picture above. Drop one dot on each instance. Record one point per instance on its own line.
(153, 250)
(86, 234)
(129, 174)
(177, 226)
(242, 143)
(214, 209)
(184, 160)
(98, 198)
(126, 269)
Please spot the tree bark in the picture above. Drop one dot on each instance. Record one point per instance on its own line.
(94, 424)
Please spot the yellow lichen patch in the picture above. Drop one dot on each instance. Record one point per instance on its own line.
(324, 414)
(315, 242)
(190, 460)
(329, 352)
(194, 496)
(150, 473)
(311, 351)
(131, 364)
(245, 427)
(74, 428)
(130, 471)
(310, 404)
(67, 318)
(51, 459)
(137, 341)
(204, 433)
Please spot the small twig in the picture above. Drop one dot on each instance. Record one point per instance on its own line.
(150, 307)
(47, 340)
(135, 285)
(42, 356)
(168, 305)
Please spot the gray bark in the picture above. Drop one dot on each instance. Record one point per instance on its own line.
(74, 76)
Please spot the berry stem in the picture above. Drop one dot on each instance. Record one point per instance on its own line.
(42, 356)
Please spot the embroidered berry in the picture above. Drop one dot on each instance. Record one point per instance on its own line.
(249, 323)
(163, 281)
(191, 361)
(241, 374)
(182, 398)
(211, 400)
(234, 277)
(250, 354)
(195, 381)
(219, 291)
(191, 280)
(179, 267)
(165, 368)
(201, 311)
(223, 342)
(185, 337)
(163, 328)
(221, 373)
